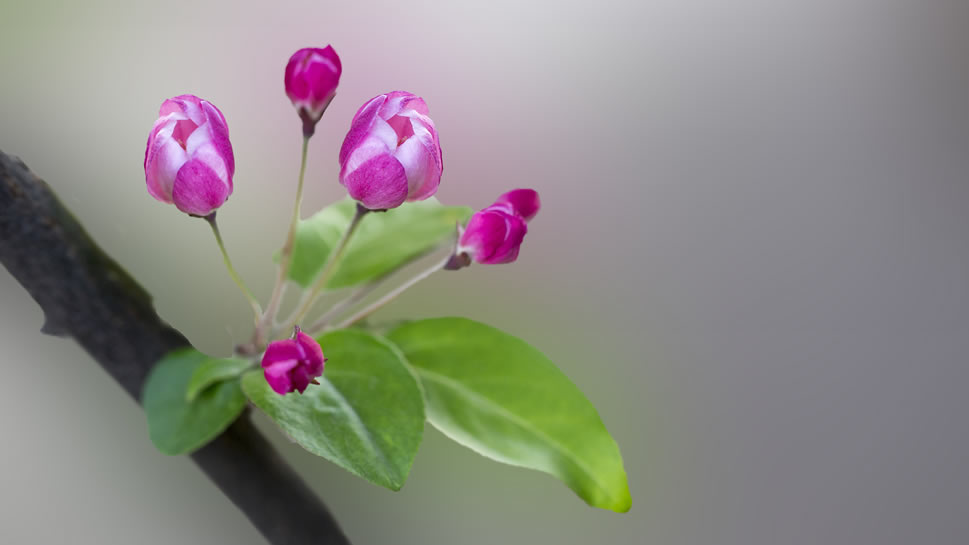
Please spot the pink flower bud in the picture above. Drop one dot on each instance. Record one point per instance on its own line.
(293, 364)
(391, 153)
(311, 78)
(494, 235)
(188, 159)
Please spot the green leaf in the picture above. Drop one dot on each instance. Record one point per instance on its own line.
(382, 242)
(504, 399)
(212, 371)
(366, 415)
(176, 425)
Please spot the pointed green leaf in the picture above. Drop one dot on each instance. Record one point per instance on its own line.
(499, 396)
(177, 426)
(382, 242)
(366, 415)
(212, 371)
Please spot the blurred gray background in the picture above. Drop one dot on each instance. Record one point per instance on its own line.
(752, 257)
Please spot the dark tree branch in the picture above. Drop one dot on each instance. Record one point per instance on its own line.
(86, 295)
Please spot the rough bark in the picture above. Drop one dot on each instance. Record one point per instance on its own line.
(86, 295)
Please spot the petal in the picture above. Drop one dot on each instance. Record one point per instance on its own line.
(360, 127)
(300, 378)
(322, 76)
(313, 359)
(278, 376)
(185, 105)
(207, 154)
(163, 159)
(484, 234)
(295, 85)
(283, 350)
(375, 178)
(198, 189)
(524, 202)
(493, 236)
(423, 128)
(417, 157)
(218, 131)
(399, 102)
(514, 234)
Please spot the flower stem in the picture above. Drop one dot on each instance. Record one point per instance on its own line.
(260, 335)
(329, 267)
(257, 311)
(390, 296)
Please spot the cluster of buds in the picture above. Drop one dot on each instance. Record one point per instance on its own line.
(390, 155)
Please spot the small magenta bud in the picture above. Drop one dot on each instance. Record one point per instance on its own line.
(188, 159)
(391, 153)
(293, 364)
(494, 235)
(311, 79)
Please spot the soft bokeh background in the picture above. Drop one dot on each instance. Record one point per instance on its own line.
(753, 255)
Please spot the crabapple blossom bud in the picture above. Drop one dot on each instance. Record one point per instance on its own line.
(311, 79)
(523, 202)
(188, 159)
(293, 364)
(391, 153)
(494, 235)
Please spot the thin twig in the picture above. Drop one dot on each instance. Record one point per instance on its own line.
(361, 293)
(376, 305)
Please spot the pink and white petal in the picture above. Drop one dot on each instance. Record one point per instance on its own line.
(524, 202)
(407, 102)
(418, 165)
(378, 182)
(186, 105)
(360, 127)
(211, 157)
(198, 189)
(163, 164)
(363, 152)
(393, 103)
(168, 121)
(201, 136)
(158, 126)
(218, 131)
(382, 131)
(424, 128)
(423, 170)
(427, 185)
